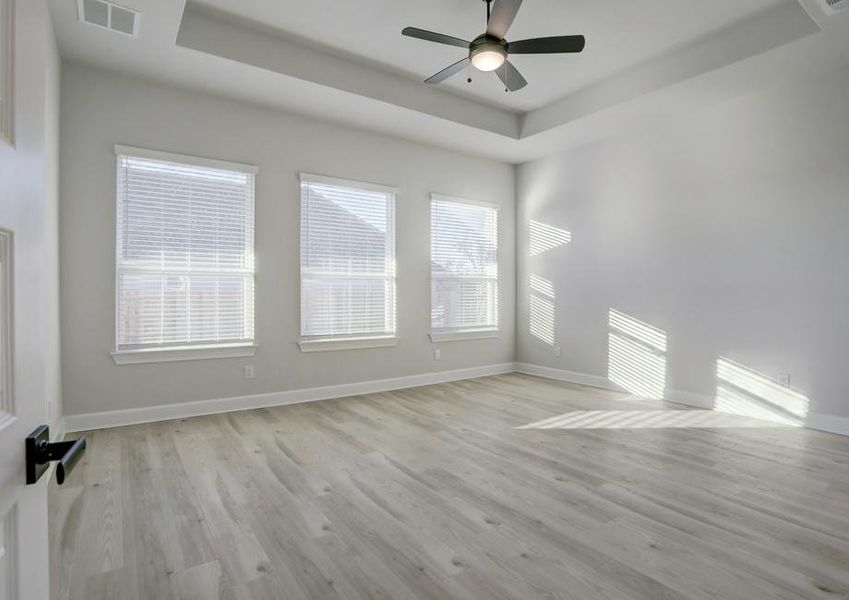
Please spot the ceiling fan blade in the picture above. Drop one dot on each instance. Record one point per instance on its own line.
(430, 36)
(501, 17)
(548, 45)
(510, 76)
(449, 71)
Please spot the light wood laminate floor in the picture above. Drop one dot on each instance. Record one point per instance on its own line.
(437, 492)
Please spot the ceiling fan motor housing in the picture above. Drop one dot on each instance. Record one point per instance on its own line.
(487, 52)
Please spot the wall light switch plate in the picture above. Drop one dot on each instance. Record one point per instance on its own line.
(437, 354)
(249, 371)
(557, 351)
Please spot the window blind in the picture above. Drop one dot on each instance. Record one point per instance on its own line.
(464, 266)
(185, 254)
(347, 259)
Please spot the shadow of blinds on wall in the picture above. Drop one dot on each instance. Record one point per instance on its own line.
(636, 355)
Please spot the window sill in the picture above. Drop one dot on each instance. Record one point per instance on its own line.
(459, 336)
(327, 345)
(182, 353)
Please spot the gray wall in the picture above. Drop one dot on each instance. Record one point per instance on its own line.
(727, 229)
(100, 109)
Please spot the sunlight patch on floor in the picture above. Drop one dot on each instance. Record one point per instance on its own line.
(648, 419)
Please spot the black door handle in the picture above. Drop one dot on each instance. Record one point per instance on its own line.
(40, 451)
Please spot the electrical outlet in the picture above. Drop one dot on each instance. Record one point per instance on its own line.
(249, 371)
(784, 379)
(557, 351)
(437, 354)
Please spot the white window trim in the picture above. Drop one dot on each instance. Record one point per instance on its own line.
(458, 335)
(182, 353)
(359, 343)
(362, 185)
(449, 335)
(342, 342)
(7, 72)
(185, 158)
(458, 200)
(192, 352)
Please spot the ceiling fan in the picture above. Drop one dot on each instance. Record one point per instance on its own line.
(489, 51)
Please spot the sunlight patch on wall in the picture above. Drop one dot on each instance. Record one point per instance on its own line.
(646, 419)
(543, 238)
(636, 355)
(541, 309)
(743, 391)
(542, 286)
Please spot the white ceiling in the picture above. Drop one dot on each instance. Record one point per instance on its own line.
(346, 61)
(620, 34)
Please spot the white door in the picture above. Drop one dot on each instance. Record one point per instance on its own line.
(10, 426)
(24, 566)
(24, 569)
(28, 285)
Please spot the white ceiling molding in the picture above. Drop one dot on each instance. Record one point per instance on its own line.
(802, 60)
(214, 33)
(222, 35)
(755, 35)
(620, 34)
(200, 48)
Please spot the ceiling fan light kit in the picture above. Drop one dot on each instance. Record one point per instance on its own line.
(487, 54)
(490, 50)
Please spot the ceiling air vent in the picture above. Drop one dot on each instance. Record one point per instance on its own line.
(834, 6)
(109, 16)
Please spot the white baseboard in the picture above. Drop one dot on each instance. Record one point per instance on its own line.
(819, 422)
(827, 423)
(568, 376)
(134, 416)
(688, 398)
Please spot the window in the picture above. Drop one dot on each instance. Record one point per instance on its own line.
(185, 254)
(464, 269)
(7, 77)
(347, 264)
